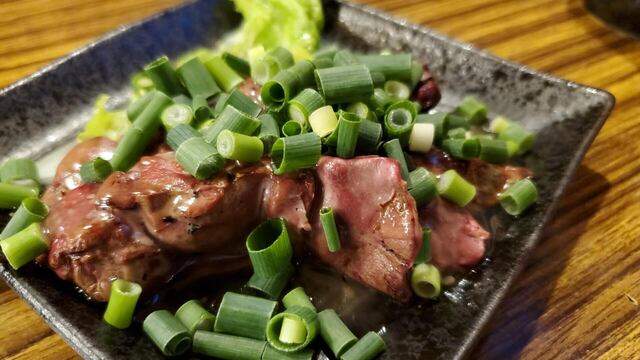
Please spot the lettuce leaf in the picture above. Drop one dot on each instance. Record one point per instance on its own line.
(111, 124)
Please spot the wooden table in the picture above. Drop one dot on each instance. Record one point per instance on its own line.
(578, 296)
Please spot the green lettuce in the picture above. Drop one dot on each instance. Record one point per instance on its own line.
(111, 124)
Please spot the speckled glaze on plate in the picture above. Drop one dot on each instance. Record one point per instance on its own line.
(48, 107)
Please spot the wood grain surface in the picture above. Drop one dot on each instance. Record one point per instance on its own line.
(578, 296)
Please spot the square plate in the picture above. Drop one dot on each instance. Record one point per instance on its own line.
(47, 108)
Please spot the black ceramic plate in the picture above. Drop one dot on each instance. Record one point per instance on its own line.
(47, 108)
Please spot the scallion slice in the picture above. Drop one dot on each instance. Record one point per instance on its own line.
(222, 346)
(20, 172)
(474, 110)
(369, 136)
(367, 348)
(235, 146)
(518, 197)
(362, 110)
(240, 101)
(303, 317)
(303, 70)
(425, 281)
(304, 104)
(164, 77)
(344, 84)
(344, 57)
(393, 66)
(440, 121)
(244, 315)
(201, 109)
(348, 129)
(493, 151)
(223, 74)
(326, 52)
(322, 63)
(195, 317)
(141, 83)
(234, 120)
(295, 153)
(31, 210)
(292, 331)
(135, 108)
(498, 124)
(518, 135)
(377, 78)
(281, 56)
(424, 255)
(269, 247)
(454, 187)
(272, 354)
(270, 286)
(393, 149)
(421, 137)
(238, 64)
(462, 148)
(122, 303)
(24, 246)
(175, 115)
(399, 119)
(96, 170)
(11, 196)
(335, 333)
(167, 333)
(397, 90)
(424, 186)
(180, 134)
(292, 128)
(327, 218)
(323, 121)
(458, 121)
(416, 73)
(197, 79)
(297, 297)
(379, 101)
(280, 89)
(457, 133)
(269, 131)
(199, 158)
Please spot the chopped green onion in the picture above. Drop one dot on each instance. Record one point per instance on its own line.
(330, 228)
(295, 153)
(270, 286)
(498, 124)
(234, 120)
(421, 138)
(182, 99)
(195, 317)
(238, 64)
(518, 197)
(399, 119)
(199, 158)
(230, 347)
(24, 246)
(425, 281)
(393, 149)
(303, 70)
(344, 84)
(31, 210)
(180, 134)
(223, 74)
(96, 170)
(122, 303)
(377, 78)
(167, 333)
(424, 186)
(20, 172)
(394, 67)
(239, 147)
(292, 128)
(518, 135)
(175, 115)
(272, 354)
(380, 100)
(367, 348)
(397, 90)
(280, 89)
(323, 121)
(297, 297)
(306, 318)
(269, 247)
(269, 131)
(457, 133)
(369, 136)
(197, 79)
(244, 315)
(440, 121)
(348, 127)
(240, 101)
(326, 52)
(424, 255)
(281, 56)
(141, 83)
(344, 57)
(362, 110)
(457, 121)
(474, 110)
(462, 148)
(304, 104)
(164, 77)
(148, 121)
(335, 333)
(493, 151)
(512, 148)
(416, 73)
(455, 188)
(135, 108)
(322, 63)
(261, 69)
(11, 196)
(292, 331)
(201, 109)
